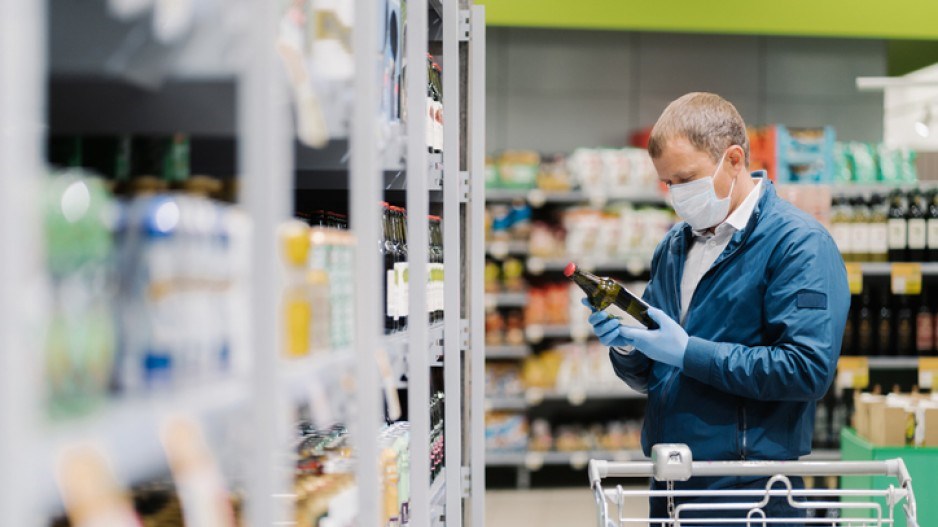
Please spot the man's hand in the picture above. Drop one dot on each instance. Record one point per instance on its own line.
(665, 344)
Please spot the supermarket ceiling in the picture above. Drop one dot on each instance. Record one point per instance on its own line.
(897, 19)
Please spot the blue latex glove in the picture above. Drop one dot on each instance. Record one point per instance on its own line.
(666, 344)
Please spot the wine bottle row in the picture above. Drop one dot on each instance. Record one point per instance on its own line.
(394, 254)
(902, 228)
(880, 323)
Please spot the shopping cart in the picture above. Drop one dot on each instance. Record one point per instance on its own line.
(673, 462)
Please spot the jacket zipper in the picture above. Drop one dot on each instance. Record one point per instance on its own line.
(743, 427)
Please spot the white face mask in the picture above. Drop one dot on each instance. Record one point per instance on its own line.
(697, 202)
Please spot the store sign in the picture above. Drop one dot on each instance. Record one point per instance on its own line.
(853, 372)
(927, 372)
(906, 278)
(855, 278)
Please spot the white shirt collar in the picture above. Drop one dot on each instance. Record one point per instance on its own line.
(739, 218)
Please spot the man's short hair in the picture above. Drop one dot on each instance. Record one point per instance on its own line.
(706, 120)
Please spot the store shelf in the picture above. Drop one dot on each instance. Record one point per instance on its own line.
(535, 460)
(519, 299)
(893, 363)
(501, 249)
(538, 198)
(129, 430)
(885, 268)
(634, 264)
(397, 346)
(848, 190)
(297, 375)
(507, 352)
(536, 333)
(573, 396)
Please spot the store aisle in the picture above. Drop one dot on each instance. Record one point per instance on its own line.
(548, 507)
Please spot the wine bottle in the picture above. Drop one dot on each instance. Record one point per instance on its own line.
(848, 345)
(865, 345)
(932, 222)
(388, 253)
(860, 231)
(884, 327)
(898, 229)
(878, 232)
(905, 328)
(924, 326)
(918, 231)
(603, 292)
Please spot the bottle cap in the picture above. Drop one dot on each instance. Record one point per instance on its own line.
(569, 269)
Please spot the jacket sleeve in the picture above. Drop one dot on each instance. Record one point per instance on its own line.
(805, 310)
(634, 368)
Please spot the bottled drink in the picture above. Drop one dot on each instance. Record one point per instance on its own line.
(849, 345)
(603, 292)
(388, 254)
(932, 222)
(840, 227)
(884, 326)
(435, 297)
(866, 343)
(898, 228)
(905, 328)
(924, 327)
(860, 231)
(878, 231)
(401, 269)
(917, 227)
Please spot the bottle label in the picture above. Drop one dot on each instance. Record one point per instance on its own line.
(430, 132)
(391, 281)
(933, 234)
(860, 238)
(917, 234)
(841, 233)
(401, 269)
(924, 336)
(897, 233)
(879, 238)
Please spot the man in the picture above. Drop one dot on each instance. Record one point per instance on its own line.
(751, 297)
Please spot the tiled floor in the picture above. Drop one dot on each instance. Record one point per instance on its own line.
(548, 508)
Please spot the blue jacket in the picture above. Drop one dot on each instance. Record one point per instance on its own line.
(765, 326)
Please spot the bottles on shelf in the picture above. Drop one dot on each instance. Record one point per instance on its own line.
(900, 228)
(319, 291)
(434, 106)
(148, 284)
(394, 460)
(882, 324)
(437, 446)
(393, 248)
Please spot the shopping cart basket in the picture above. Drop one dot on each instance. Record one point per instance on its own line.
(673, 462)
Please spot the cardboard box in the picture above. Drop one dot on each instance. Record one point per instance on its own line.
(861, 415)
(888, 422)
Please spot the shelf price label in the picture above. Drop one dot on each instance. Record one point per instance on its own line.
(855, 278)
(853, 372)
(906, 278)
(927, 372)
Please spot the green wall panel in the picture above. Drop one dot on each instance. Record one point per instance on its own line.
(896, 19)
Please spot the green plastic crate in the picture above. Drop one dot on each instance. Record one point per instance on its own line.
(921, 462)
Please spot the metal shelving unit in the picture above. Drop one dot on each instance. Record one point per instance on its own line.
(575, 397)
(539, 197)
(885, 268)
(152, 89)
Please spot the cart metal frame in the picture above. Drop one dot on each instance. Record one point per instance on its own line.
(674, 462)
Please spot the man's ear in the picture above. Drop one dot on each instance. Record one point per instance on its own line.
(736, 157)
